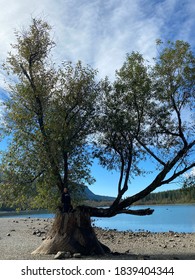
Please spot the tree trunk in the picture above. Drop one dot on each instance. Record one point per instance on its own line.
(72, 232)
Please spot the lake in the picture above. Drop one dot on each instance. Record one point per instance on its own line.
(178, 218)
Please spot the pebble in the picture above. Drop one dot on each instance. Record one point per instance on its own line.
(62, 255)
(77, 255)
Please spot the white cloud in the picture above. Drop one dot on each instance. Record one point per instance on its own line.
(190, 173)
(100, 32)
(96, 31)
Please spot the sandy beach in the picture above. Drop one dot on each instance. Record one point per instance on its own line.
(19, 237)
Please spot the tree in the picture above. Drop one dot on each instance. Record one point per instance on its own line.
(49, 116)
(149, 112)
(188, 187)
(189, 182)
(52, 113)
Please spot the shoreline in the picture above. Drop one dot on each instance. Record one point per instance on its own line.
(161, 223)
(20, 236)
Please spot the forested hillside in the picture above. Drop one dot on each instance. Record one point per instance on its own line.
(183, 195)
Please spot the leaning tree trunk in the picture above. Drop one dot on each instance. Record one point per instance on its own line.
(72, 232)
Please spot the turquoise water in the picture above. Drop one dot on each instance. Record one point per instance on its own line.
(178, 218)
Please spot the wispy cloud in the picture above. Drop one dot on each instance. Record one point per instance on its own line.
(100, 32)
(190, 173)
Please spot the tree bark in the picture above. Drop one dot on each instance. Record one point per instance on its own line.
(72, 232)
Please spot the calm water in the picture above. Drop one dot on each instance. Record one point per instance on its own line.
(178, 218)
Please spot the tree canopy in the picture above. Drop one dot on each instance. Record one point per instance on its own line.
(49, 116)
(146, 113)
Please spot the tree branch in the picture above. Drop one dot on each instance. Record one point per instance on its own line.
(158, 181)
(122, 190)
(139, 212)
(177, 174)
(106, 213)
(35, 178)
(150, 152)
(179, 121)
(40, 117)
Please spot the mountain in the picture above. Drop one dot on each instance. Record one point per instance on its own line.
(89, 195)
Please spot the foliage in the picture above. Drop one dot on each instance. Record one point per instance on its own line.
(189, 182)
(170, 197)
(147, 113)
(49, 116)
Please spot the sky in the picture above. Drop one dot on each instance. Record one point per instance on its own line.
(100, 33)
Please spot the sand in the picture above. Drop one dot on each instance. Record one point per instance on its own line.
(19, 237)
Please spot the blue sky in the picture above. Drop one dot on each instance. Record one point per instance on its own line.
(100, 33)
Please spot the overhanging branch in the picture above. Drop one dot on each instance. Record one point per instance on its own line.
(159, 179)
(139, 212)
(106, 213)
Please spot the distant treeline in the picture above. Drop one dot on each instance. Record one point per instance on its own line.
(183, 195)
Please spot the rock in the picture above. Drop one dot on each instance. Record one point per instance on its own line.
(77, 255)
(62, 255)
(59, 255)
(115, 253)
(68, 255)
(146, 257)
(140, 257)
(8, 234)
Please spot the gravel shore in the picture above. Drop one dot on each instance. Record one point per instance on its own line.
(19, 237)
